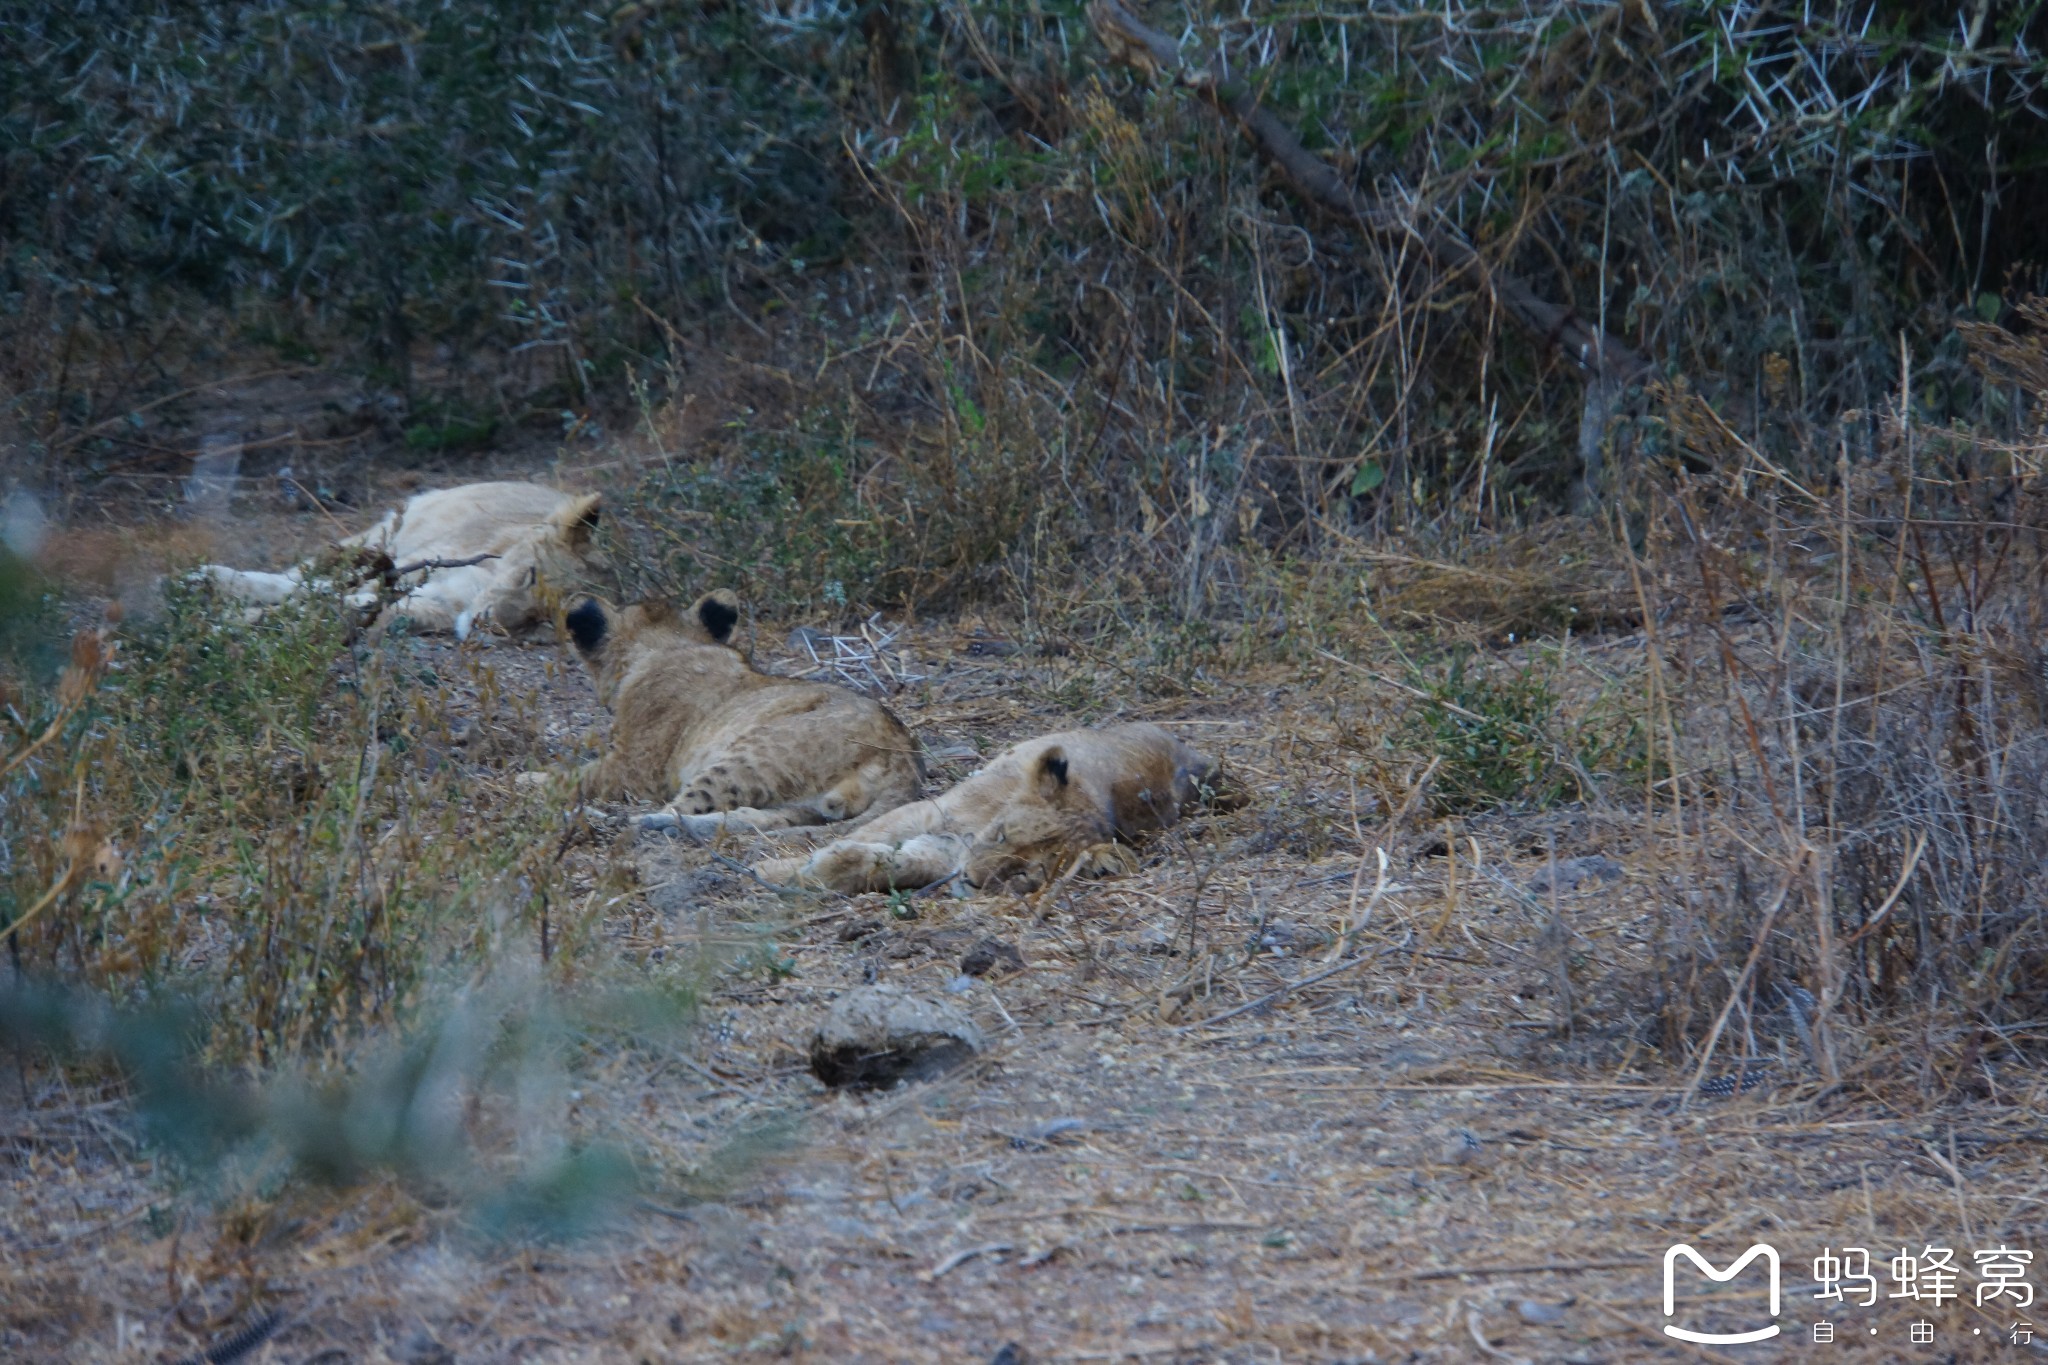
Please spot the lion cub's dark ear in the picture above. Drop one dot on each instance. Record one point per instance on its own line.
(1052, 772)
(718, 612)
(587, 625)
(578, 519)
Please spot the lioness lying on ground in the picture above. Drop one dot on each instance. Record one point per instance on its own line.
(528, 532)
(1039, 809)
(693, 721)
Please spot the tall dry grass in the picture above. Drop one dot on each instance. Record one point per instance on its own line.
(1849, 685)
(258, 878)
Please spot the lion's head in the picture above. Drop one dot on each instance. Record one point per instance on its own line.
(604, 635)
(1040, 831)
(558, 557)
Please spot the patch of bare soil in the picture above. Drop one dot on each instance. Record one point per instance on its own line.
(1209, 1125)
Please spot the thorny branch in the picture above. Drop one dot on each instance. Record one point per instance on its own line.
(1137, 45)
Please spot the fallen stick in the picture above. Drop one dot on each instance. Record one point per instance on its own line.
(1453, 1272)
(1274, 997)
(1697, 1352)
(418, 564)
(962, 1257)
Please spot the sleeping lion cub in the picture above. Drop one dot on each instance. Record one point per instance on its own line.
(518, 534)
(1039, 809)
(692, 721)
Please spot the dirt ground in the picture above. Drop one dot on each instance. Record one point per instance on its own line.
(1162, 1154)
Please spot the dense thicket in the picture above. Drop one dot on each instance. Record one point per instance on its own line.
(1762, 197)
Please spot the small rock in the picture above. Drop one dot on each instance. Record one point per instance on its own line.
(1010, 1354)
(1571, 872)
(992, 954)
(1154, 939)
(421, 1349)
(1041, 1135)
(1539, 1314)
(851, 1230)
(992, 649)
(1278, 937)
(1460, 1147)
(670, 884)
(879, 1035)
(855, 930)
(960, 985)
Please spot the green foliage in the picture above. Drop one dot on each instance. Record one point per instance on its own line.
(238, 817)
(482, 173)
(813, 513)
(1501, 737)
(1490, 738)
(31, 617)
(781, 518)
(492, 1046)
(450, 435)
(205, 685)
(514, 190)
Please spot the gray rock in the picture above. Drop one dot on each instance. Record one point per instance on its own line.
(670, 884)
(1154, 938)
(422, 1349)
(1570, 873)
(1539, 1314)
(989, 955)
(879, 1035)
(1460, 1147)
(1042, 1135)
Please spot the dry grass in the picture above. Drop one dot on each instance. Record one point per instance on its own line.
(1166, 1153)
(1561, 833)
(1562, 829)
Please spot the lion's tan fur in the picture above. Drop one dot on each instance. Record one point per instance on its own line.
(1039, 809)
(695, 725)
(539, 539)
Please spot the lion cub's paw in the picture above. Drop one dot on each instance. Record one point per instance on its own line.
(1106, 860)
(780, 871)
(698, 829)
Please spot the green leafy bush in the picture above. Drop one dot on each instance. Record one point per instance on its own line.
(513, 176)
(1502, 737)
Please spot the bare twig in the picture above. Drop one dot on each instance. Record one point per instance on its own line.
(962, 1257)
(1274, 997)
(419, 565)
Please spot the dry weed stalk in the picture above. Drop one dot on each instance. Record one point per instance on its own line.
(1875, 732)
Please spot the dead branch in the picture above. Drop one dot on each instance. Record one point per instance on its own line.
(419, 564)
(1133, 43)
(1274, 997)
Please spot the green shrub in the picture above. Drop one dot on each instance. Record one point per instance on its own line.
(1491, 739)
(251, 817)
(510, 178)
(1501, 737)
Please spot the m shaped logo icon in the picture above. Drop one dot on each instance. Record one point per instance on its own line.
(1671, 1255)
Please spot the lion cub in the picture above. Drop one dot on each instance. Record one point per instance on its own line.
(1039, 809)
(693, 721)
(513, 534)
